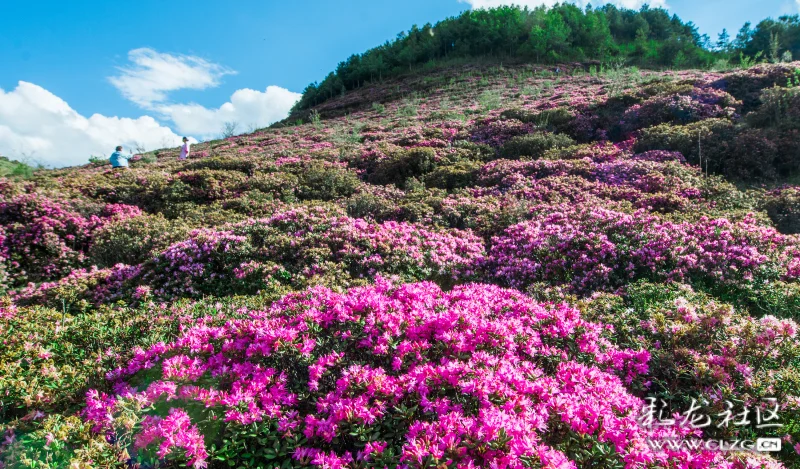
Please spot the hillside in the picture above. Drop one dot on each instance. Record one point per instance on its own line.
(483, 265)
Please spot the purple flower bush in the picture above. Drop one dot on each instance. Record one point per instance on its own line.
(43, 239)
(595, 249)
(297, 247)
(479, 376)
(698, 104)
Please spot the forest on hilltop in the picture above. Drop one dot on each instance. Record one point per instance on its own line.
(649, 37)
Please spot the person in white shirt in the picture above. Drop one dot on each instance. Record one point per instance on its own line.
(185, 149)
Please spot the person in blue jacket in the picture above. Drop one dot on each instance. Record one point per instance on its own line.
(119, 159)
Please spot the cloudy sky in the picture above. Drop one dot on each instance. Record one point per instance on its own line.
(79, 78)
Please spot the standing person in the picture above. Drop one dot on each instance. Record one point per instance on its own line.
(185, 149)
(119, 159)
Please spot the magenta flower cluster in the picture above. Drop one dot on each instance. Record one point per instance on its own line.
(493, 377)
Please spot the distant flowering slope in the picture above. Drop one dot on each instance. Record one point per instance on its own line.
(303, 295)
(598, 249)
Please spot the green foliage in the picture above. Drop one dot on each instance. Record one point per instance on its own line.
(534, 145)
(15, 169)
(315, 119)
(546, 35)
(710, 140)
(407, 109)
(250, 446)
(770, 38)
(134, 240)
(217, 163)
(450, 177)
(58, 442)
(489, 100)
(783, 208)
(780, 109)
(46, 367)
(378, 107)
(403, 165)
(323, 182)
(558, 119)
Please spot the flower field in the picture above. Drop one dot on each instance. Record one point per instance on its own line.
(479, 266)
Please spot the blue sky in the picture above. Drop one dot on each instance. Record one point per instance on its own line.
(68, 51)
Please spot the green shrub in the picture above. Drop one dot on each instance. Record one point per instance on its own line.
(371, 206)
(556, 119)
(321, 181)
(783, 208)
(520, 114)
(134, 240)
(278, 184)
(534, 145)
(753, 157)
(476, 151)
(223, 164)
(52, 358)
(407, 109)
(747, 85)
(461, 174)
(58, 442)
(403, 165)
(664, 87)
(15, 169)
(719, 146)
(378, 107)
(711, 139)
(490, 100)
(780, 109)
(205, 215)
(211, 184)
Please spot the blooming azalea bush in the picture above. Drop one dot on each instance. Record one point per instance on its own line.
(296, 248)
(703, 349)
(43, 239)
(591, 249)
(477, 376)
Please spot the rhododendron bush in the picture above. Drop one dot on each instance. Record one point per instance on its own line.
(598, 248)
(478, 376)
(479, 266)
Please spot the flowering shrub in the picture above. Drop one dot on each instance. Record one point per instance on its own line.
(296, 247)
(599, 249)
(381, 374)
(747, 85)
(705, 350)
(699, 104)
(41, 239)
(497, 132)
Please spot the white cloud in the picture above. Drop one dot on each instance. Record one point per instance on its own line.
(152, 75)
(249, 108)
(633, 4)
(39, 124)
(36, 123)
